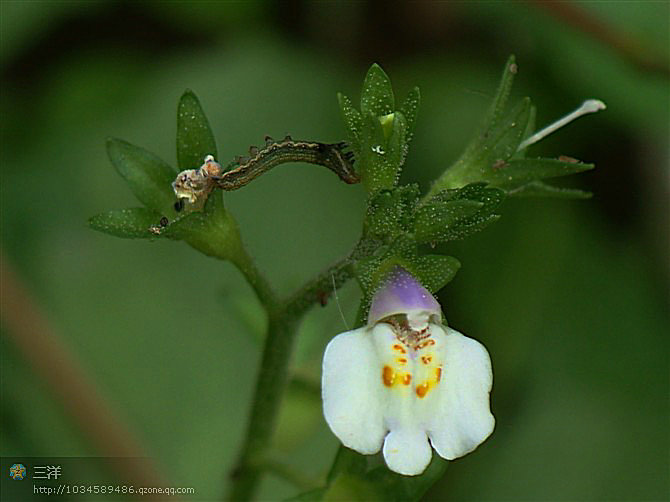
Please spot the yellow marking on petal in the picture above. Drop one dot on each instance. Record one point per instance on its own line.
(399, 348)
(427, 385)
(401, 360)
(388, 376)
(422, 390)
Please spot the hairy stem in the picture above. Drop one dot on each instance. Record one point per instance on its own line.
(319, 288)
(256, 280)
(270, 386)
(283, 320)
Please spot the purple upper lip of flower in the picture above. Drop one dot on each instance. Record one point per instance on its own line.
(401, 293)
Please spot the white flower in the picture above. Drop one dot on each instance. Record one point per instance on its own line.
(407, 382)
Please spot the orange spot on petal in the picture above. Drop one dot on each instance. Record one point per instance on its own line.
(438, 373)
(399, 348)
(426, 359)
(388, 376)
(401, 360)
(422, 390)
(406, 379)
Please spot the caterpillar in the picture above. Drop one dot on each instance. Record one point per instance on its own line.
(195, 185)
(332, 156)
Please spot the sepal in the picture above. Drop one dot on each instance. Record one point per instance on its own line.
(540, 189)
(377, 94)
(195, 139)
(390, 212)
(518, 172)
(455, 214)
(379, 133)
(148, 177)
(133, 223)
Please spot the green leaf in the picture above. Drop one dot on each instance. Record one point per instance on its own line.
(381, 157)
(410, 109)
(455, 214)
(389, 212)
(373, 165)
(195, 138)
(437, 215)
(131, 223)
(540, 189)
(396, 146)
(518, 172)
(353, 123)
(505, 136)
(377, 94)
(149, 178)
(479, 156)
(497, 109)
(530, 129)
(399, 488)
(435, 271)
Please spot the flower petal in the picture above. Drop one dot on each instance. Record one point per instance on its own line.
(463, 418)
(401, 293)
(351, 390)
(407, 451)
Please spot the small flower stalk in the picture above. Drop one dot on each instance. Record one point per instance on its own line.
(406, 382)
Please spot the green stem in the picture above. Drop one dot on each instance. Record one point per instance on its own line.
(272, 380)
(283, 320)
(319, 288)
(256, 280)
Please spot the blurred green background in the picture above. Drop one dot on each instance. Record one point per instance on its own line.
(570, 297)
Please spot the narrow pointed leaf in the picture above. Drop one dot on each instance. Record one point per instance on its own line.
(465, 220)
(477, 158)
(131, 223)
(397, 145)
(352, 121)
(377, 94)
(195, 138)
(540, 189)
(502, 94)
(433, 219)
(376, 171)
(518, 172)
(530, 129)
(507, 134)
(410, 109)
(149, 177)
